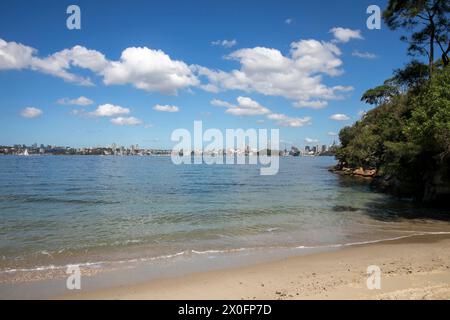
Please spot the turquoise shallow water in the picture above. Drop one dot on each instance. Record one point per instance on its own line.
(59, 210)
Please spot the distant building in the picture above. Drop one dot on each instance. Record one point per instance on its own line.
(294, 151)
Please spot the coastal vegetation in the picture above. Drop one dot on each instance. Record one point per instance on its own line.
(403, 143)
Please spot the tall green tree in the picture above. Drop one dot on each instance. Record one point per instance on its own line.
(379, 94)
(430, 22)
(413, 75)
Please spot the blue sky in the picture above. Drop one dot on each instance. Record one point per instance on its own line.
(280, 67)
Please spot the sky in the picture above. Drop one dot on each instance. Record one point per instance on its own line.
(137, 70)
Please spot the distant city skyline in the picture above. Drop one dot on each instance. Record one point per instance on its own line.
(135, 149)
(131, 75)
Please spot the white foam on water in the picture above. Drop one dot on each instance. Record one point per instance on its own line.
(372, 241)
(97, 264)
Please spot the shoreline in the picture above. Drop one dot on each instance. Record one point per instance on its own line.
(417, 267)
(343, 170)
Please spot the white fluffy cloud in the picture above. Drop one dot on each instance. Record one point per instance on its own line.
(309, 140)
(248, 107)
(364, 55)
(339, 117)
(56, 66)
(297, 77)
(144, 68)
(128, 121)
(18, 56)
(285, 121)
(109, 110)
(313, 104)
(166, 108)
(80, 101)
(289, 21)
(221, 103)
(15, 55)
(332, 134)
(345, 35)
(60, 62)
(245, 107)
(84, 58)
(225, 43)
(31, 112)
(313, 57)
(149, 70)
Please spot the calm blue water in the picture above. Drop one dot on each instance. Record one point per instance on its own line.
(57, 210)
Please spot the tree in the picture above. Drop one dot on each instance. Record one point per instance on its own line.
(413, 75)
(429, 125)
(346, 135)
(406, 139)
(431, 24)
(380, 94)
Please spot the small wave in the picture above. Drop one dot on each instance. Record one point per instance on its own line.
(53, 267)
(124, 243)
(145, 259)
(212, 251)
(372, 241)
(66, 201)
(45, 253)
(273, 229)
(221, 251)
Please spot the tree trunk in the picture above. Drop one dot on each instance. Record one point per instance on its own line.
(431, 56)
(445, 59)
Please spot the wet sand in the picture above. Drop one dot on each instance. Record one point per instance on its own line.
(411, 268)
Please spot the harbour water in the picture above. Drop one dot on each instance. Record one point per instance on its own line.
(97, 211)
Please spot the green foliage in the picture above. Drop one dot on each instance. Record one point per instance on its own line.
(406, 137)
(429, 125)
(379, 94)
(413, 75)
(429, 24)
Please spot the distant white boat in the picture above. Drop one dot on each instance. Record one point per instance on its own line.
(25, 153)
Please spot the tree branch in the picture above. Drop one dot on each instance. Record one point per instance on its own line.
(423, 18)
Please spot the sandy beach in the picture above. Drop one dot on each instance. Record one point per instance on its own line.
(411, 268)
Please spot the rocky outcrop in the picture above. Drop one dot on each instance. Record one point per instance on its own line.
(342, 169)
(434, 190)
